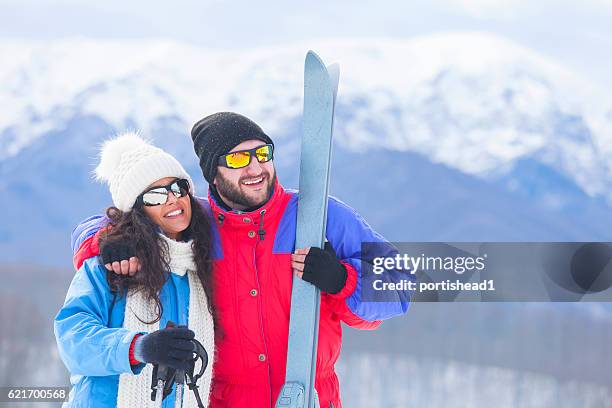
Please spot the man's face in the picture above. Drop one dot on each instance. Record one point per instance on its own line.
(249, 186)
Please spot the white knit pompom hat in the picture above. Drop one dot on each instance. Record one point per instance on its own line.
(129, 164)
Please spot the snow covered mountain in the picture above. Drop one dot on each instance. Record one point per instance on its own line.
(471, 101)
(476, 137)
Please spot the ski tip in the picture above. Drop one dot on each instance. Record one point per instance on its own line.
(311, 55)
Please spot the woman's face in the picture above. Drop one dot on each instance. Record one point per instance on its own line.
(174, 216)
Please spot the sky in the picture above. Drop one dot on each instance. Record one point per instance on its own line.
(576, 33)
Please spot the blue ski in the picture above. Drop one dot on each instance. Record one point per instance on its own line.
(320, 89)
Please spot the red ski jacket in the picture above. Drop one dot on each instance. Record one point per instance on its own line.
(252, 295)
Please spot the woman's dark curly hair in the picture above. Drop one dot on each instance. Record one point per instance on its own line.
(139, 231)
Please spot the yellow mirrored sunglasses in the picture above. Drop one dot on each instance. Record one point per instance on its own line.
(242, 158)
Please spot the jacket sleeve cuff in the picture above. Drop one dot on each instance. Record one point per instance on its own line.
(350, 285)
(353, 320)
(122, 354)
(135, 365)
(133, 360)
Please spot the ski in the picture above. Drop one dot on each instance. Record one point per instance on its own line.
(320, 89)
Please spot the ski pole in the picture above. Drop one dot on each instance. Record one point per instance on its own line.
(161, 383)
(191, 379)
(159, 394)
(179, 379)
(164, 377)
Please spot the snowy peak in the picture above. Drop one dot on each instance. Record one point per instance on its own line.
(471, 101)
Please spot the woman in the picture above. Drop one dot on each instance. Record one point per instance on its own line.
(111, 325)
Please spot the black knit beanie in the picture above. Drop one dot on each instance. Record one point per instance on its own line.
(217, 134)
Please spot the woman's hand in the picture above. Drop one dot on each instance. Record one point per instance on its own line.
(171, 347)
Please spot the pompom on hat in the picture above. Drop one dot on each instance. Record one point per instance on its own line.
(129, 164)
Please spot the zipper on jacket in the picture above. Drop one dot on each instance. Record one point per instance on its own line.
(261, 231)
(261, 323)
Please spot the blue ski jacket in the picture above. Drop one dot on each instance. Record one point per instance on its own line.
(91, 340)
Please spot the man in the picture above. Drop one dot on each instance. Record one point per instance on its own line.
(254, 260)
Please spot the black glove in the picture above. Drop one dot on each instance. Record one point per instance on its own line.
(323, 269)
(171, 347)
(116, 252)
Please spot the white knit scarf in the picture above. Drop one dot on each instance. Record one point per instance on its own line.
(135, 390)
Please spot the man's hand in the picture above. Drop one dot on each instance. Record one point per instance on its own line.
(119, 258)
(320, 267)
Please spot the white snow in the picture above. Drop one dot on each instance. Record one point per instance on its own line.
(472, 101)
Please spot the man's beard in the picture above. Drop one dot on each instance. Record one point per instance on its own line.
(232, 192)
